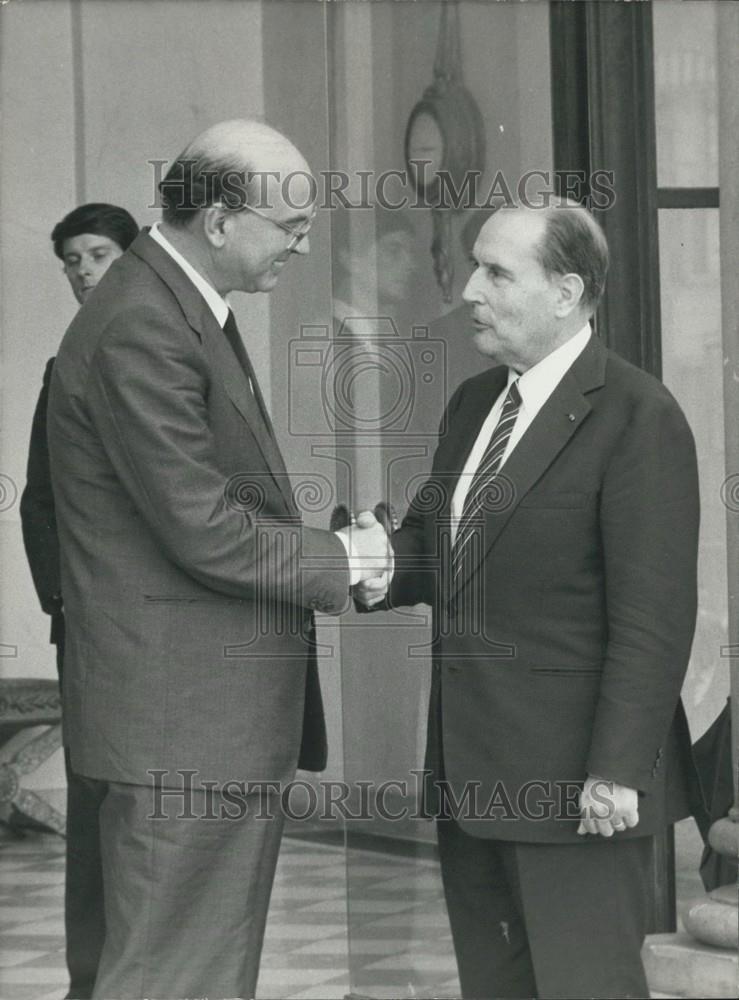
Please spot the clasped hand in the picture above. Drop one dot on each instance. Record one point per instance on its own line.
(607, 807)
(372, 557)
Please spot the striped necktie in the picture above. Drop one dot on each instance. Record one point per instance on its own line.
(487, 470)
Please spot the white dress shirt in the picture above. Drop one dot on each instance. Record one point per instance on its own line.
(536, 385)
(218, 305)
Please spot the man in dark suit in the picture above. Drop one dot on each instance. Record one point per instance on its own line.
(87, 241)
(556, 540)
(190, 684)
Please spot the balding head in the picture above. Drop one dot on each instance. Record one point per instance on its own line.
(571, 242)
(574, 243)
(238, 203)
(234, 163)
(538, 275)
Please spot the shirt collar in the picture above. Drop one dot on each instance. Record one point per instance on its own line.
(218, 305)
(537, 383)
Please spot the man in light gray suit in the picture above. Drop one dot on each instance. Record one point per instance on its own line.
(188, 578)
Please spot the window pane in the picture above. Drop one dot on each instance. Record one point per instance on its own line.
(693, 371)
(692, 362)
(686, 102)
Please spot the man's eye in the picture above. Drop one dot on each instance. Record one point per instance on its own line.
(100, 255)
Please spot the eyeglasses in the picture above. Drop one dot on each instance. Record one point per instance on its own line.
(296, 234)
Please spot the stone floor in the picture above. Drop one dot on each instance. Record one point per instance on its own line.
(400, 940)
(398, 943)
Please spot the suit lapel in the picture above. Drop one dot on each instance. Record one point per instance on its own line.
(200, 318)
(546, 437)
(235, 382)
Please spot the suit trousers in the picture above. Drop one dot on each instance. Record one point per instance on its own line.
(187, 886)
(546, 920)
(84, 913)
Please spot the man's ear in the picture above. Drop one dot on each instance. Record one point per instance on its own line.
(214, 221)
(570, 288)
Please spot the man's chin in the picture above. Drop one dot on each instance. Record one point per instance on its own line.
(268, 280)
(269, 277)
(484, 343)
(263, 282)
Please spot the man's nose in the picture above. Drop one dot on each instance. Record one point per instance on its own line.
(303, 246)
(85, 267)
(470, 293)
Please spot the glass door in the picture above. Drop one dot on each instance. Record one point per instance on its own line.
(400, 347)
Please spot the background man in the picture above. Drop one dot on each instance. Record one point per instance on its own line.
(87, 241)
(189, 581)
(564, 615)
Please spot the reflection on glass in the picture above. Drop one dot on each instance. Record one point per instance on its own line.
(685, 94)
(390, 387)
(382, 60)
(692, 365)
(373, 275)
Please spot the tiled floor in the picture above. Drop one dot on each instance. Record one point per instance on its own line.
(391, 940)
(399, 943)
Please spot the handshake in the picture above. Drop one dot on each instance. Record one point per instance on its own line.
(366, 538)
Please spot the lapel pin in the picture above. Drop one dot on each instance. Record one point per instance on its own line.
(571, 416)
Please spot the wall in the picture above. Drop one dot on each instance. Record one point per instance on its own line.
(38, 187)
(92, 92)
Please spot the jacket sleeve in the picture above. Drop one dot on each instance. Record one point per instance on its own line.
(649, 523)
(147, 391)
(38, 520)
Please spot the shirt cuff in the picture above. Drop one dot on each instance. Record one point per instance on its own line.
(355, 573)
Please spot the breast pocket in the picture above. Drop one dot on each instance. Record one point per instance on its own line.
(558, 532)
(555, 501)
(567, 671)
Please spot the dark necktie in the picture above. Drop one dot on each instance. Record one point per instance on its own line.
(486, 472)
(233, 336)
